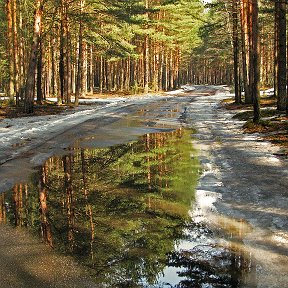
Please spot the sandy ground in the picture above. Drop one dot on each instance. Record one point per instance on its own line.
(242, 182)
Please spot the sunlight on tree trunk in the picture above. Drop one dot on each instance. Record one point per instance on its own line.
(31, 74)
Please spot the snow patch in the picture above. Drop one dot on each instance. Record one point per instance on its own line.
(281, 238)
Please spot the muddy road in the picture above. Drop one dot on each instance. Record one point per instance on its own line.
(236, 234)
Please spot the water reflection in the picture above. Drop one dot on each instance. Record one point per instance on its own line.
(122, 211)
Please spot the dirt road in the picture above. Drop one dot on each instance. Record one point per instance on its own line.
(246, 185)
(243, 189)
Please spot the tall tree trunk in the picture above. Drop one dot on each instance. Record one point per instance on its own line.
(21, 54)
(10, 49)
(280, 59)
(16, 48)
(171, 70)
(80, 64)
(146, 54)
(236, 50)
(64, 65)
(101, 75)
(39, 74)
(156, 70)
(255, 55)
(84, 78)
(54, 74)
(276, 43)
(91, 74)
(30, 79)
(246, 26)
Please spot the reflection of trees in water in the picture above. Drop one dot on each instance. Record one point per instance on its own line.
(43, 209)
(213, 262)
(211, 266)
(118, 210)
(2, 208)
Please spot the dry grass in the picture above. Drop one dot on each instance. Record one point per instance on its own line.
(275, 126)
(39, 110)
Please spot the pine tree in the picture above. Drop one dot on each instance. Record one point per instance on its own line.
(280, 54)
(31, 73)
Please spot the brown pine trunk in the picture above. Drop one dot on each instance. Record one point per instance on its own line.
(146, 64)
(166, 74)
(276, 50)
(64, 65)
(245, 22)
(21, 54)
(39, 74)
(101, 76)
(91, 75)
(171, 71)
(146, 55)
(16, 48)
(280, 59)
(128, 74)
(85, 70)
(156, 69)
(30, 79)
(10, 49)
(236, 51)
(80, 64)
(54, 74)
(255, 56)
(161, 63)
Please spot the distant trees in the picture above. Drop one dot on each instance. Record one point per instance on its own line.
(140, 46)
(87, 45)
(212, 60)
(249, 38)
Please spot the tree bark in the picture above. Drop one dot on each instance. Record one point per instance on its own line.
(91, 74)
(146, 54)
(236, 51)
(10, 49)
(30, 79)
(16, 48)
(255, 55)
(280, 57)
(244, 48)
(80, 64)
(64, 65)
(247, 39)
(39, 74)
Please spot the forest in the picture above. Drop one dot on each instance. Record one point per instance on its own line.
(71, 48)
(137, 143)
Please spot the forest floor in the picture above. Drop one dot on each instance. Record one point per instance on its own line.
(243, 188)
(273, 125)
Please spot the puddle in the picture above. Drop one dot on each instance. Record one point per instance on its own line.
(124, 211)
